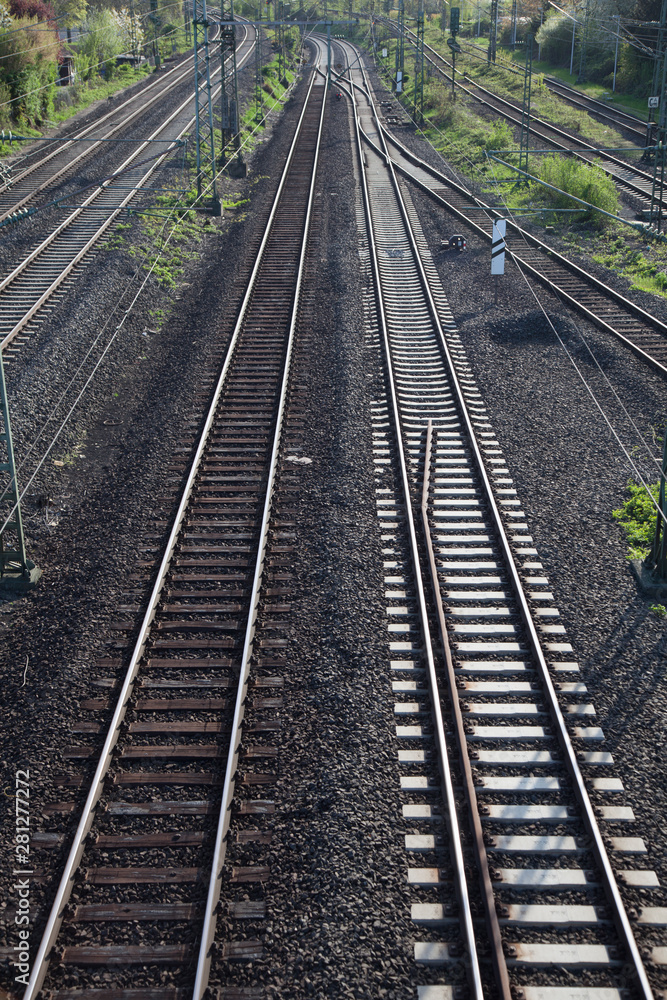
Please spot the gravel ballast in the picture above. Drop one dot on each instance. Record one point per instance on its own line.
(338, 899)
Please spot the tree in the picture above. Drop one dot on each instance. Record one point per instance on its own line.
(102, 41)
(70, 13)
(29, 54)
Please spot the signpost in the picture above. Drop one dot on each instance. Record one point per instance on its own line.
(498, 246)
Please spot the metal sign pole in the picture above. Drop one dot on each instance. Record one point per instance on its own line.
(419, 66)
(204, 136)
(657, 558)
(17, 572)
(525, 108)
(493, 32)
(658, 184)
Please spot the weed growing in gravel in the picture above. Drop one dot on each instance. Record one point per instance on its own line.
(644, 263)
(637, 519)
(660, 610)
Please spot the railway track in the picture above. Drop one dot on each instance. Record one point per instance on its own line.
(178, 755)
(33, 283)
(630, 124)
(50, 162)
(516, 834)
(643, 333)
(630, 180)
(606, 112)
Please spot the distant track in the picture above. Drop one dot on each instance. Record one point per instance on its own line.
(49, 168)
(33, 282)
(631, 124)
(630, 179)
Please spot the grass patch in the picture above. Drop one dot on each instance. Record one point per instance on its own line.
(587, 181)
(500, 79)
(623, 102)
(637, 519)
(643, 262)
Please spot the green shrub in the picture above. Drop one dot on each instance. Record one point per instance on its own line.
(5, 107)
(583, 180)
(501, 136)
(637, 519)
(555, 39)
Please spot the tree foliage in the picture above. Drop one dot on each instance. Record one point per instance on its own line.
(29, 53)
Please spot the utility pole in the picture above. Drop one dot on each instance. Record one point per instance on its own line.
(133, 34)
(419, 65)
(17, 572)
(400, 47)
(525, 108)
(659, 52)
(204, 137)
(513, 30)
(582, 61)
(493, 33)
(229, 99)
(574, 28)
(155, 19)
(187, 23)
(258, 66)
(618, 32)
(454, 24)
(658, 185)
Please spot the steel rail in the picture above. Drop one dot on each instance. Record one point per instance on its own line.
(54, 922)
(598, 847)
(468, 930)
(553, 255)
(210, 918)
(94, 141)
(127, 164)
(491, 915)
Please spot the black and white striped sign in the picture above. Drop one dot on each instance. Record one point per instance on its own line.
(498, 247)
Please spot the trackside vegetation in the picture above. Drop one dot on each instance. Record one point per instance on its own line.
(637, 518)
